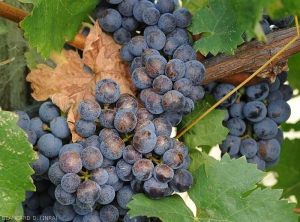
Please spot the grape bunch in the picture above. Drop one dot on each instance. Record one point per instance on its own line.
(254, 115)
(125, 150)
(163, 66)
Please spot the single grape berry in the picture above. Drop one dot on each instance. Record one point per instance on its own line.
(89, 109)
(70, 162)
(107, 91)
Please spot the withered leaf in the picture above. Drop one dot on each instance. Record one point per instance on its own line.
(68, 84)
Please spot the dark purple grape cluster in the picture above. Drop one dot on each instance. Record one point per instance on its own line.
(254, 115)
(163, 67)
(125, 150)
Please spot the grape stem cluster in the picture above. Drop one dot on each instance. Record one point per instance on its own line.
(243, 83)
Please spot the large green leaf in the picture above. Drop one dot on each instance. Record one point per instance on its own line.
(218, 196)
(294, 68)
(208, 131)
(192, 5)
(283, 8)
(171, 208)
(286, 127)
(51, 22)
(198, 158)
(16, 154)
(288, 169)
(219, 27)
(248, 15)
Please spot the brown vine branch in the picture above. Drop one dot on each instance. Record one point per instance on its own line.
(17, 15)
(297, 210)
(226, 68)
(251, 56)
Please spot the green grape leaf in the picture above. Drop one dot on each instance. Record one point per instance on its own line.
(208, 131)
(248, 15)
(218, 196)
(16, 216)
(47, 35)
(286, 127)
(294, 70)
(288, 169)
(16, 154)
(283, 8)
(198, 158)
(192, 5)
(219, 27)
(33, 58)
(3, 28)
(171, 208)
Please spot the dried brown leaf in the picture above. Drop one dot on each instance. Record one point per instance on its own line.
(67, 84)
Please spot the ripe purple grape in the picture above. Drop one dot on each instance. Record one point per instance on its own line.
(125, 121)
(182, 180)
(88, 192)
(142, 169)
(173, 101)
(110, 20)
(89, 109)
(85, 128)
(107, 194)
(162, 84)
(175, 69)
(155, 189)
(154, 103)
(91, 158)
(70, 182)
(183, 17)
(268, 150)
(163, 173)
(141, 79)
(70, 162)
(155, 66)
(64, 197)
(279, 111)
(107, 91)
(131, 155)
(59, 127)
(144, 141)
(49, 145)
(173, 158)
(112, 147)
(99, 175)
